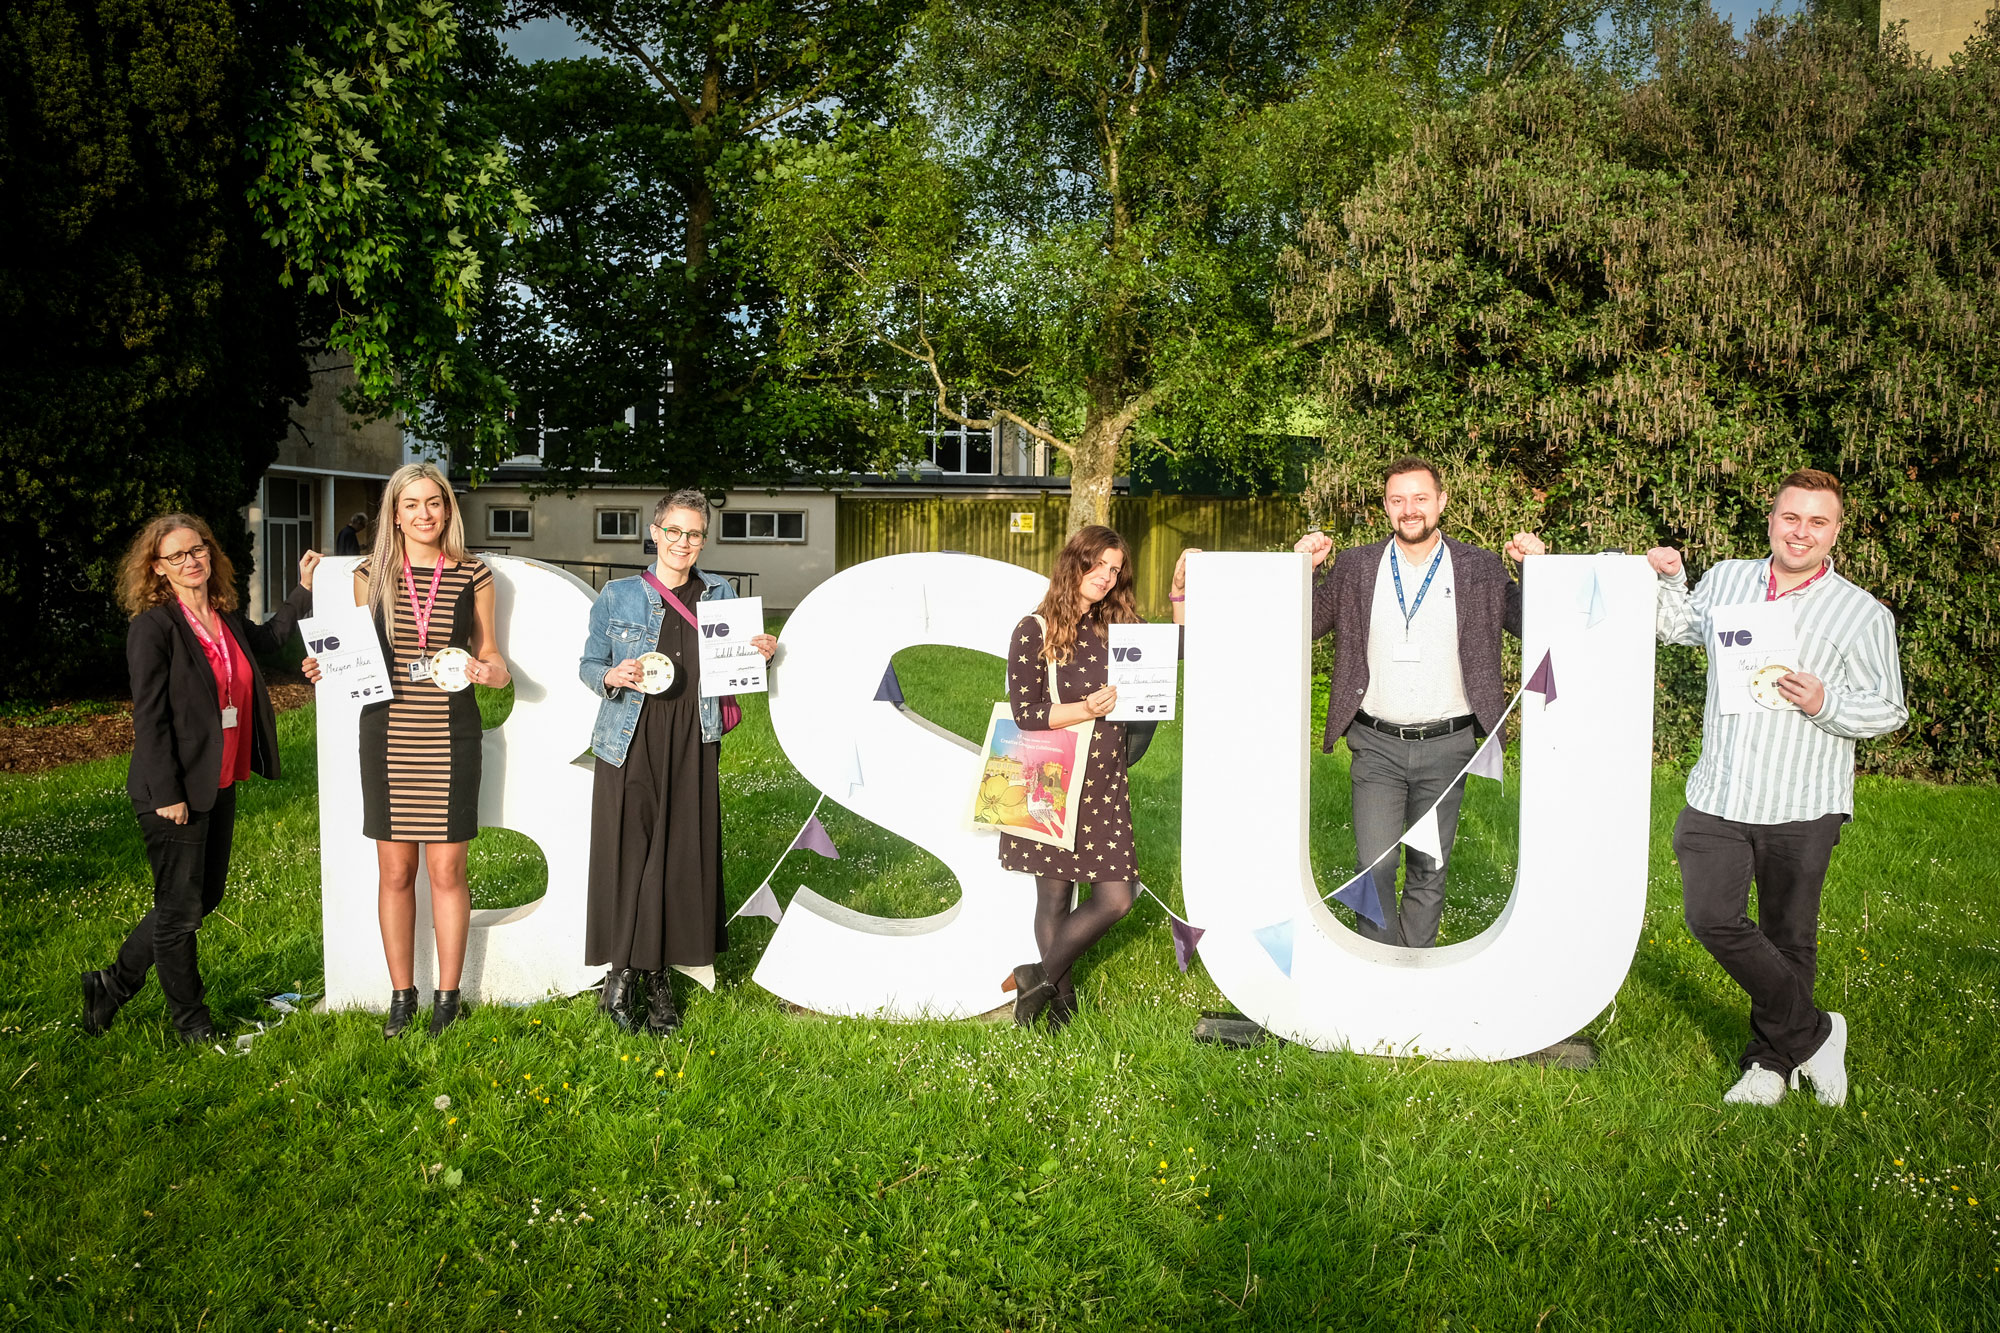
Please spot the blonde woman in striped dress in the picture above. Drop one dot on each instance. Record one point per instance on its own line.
(420, 749)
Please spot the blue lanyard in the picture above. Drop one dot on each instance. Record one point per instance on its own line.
(1396, 570)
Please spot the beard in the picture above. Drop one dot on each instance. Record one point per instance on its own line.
(1425, 529)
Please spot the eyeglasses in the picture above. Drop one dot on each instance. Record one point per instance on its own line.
(675, 536)
(179, 558)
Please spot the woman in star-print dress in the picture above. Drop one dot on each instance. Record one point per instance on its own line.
(1056, 677)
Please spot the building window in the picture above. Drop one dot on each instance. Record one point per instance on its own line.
(763, 525)
(955, 450)
(288, 534)
(517, 523)
(618, 525)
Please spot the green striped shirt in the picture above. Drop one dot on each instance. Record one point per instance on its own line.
(1765, 767)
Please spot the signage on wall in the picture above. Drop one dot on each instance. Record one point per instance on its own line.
(1022, 523)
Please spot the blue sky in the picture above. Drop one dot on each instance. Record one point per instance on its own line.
(551, 39)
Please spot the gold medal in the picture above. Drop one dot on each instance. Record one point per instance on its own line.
(1764, 688)
(448, 669)
(656, 673)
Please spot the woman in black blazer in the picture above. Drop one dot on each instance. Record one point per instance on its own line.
(201, 720)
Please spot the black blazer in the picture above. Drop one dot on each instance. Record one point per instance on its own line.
(176, 725)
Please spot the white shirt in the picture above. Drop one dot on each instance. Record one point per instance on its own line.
(1777, 767)
(1432, 688)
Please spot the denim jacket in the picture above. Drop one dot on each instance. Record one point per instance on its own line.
(625, 622)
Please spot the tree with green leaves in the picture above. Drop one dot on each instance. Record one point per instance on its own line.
(636, 321)
(1081, 230)
(169, 167)
(1621, 316)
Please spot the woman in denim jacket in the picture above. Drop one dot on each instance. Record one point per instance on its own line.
(655, 898)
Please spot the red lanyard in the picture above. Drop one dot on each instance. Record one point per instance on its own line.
(422, 613)
(667, 595)
(220, 643)
(1771, 593)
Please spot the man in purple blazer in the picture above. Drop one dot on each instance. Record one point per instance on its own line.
(1416, 620)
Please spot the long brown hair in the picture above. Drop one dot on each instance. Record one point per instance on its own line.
(385, 560)
(140, 589)
(1063, 608)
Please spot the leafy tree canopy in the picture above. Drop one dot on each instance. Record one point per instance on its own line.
(1621, 316)
(636, 321)
(1080, 230)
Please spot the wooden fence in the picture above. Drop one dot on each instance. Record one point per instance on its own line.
(1156, 526)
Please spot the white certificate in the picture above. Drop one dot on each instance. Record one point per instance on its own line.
(1744, 638)
(730, 663)
(349, 656)
(1145, 667)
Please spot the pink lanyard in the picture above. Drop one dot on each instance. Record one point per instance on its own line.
(667, 595)
(1771, 593)
(220, 643)
(422, 613)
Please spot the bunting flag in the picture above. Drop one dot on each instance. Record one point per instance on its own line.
(1362, 896)
(1423, 837)
(814, 838)
(854, 770)
(890, 691)
(703, 976)
(1543, 682)
(762, 903)
(1590, 601)
(1186, 937)
(1490, 760)
(1277, 941)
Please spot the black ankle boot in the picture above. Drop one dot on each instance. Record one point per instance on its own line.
(1062, 1008)
(620, 993)
(1033, 991)
(101, 1001)
(402, 1009)
(446, 1010)
(662, 1018)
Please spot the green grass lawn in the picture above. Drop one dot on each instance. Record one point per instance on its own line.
(778, 1170)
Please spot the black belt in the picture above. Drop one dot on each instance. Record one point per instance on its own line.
(1429, 731)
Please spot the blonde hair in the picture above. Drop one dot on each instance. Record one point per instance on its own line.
(140, 588)
(385, 558)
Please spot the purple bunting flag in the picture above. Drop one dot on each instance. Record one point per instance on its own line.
(1360, 894)
(1543, 682)
(814, 838)
(1186, 937)
(762, 903)
(1277, 941)
(890, 691)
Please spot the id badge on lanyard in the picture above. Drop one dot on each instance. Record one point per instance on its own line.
(420, 670)
(220, 642)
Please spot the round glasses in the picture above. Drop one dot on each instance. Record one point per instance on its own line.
(675, 536)
(179, 558)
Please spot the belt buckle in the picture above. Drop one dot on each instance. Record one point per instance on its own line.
(1403, 733)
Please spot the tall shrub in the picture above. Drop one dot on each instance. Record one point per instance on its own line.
(1619, 317)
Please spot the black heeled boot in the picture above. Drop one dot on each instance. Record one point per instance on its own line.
(1033, 991)
(662, 1018)
(446, 1010)
(618, 997)
(402, 1010)
(1062, 1008)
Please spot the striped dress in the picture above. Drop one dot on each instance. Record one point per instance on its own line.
(420, 750)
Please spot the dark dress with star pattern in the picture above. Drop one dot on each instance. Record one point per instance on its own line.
(1104, 827)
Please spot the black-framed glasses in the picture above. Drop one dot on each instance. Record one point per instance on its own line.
(179, 558)
(675, 536)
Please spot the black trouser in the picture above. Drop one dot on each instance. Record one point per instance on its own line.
(1776, 957)
(190, 862)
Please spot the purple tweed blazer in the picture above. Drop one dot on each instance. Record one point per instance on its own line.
(1487, 602)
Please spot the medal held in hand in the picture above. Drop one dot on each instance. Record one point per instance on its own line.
(448, 669)
(656, 673)
(1764, 688)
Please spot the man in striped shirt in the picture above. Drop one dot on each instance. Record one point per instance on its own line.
(1775, 780)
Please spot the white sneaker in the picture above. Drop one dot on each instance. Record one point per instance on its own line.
(1828, 1067)
(1758, 1087)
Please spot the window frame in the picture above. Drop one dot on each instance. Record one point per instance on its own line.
(775, 539)
(597, 524)
(493, 533)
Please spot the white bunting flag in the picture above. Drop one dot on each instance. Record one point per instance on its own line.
(762, 903)
(1490, 761)
(1423, 837)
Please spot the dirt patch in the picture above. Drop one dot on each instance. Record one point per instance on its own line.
(29, 748)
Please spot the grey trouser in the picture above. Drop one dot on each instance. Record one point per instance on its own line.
(1395, 781)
